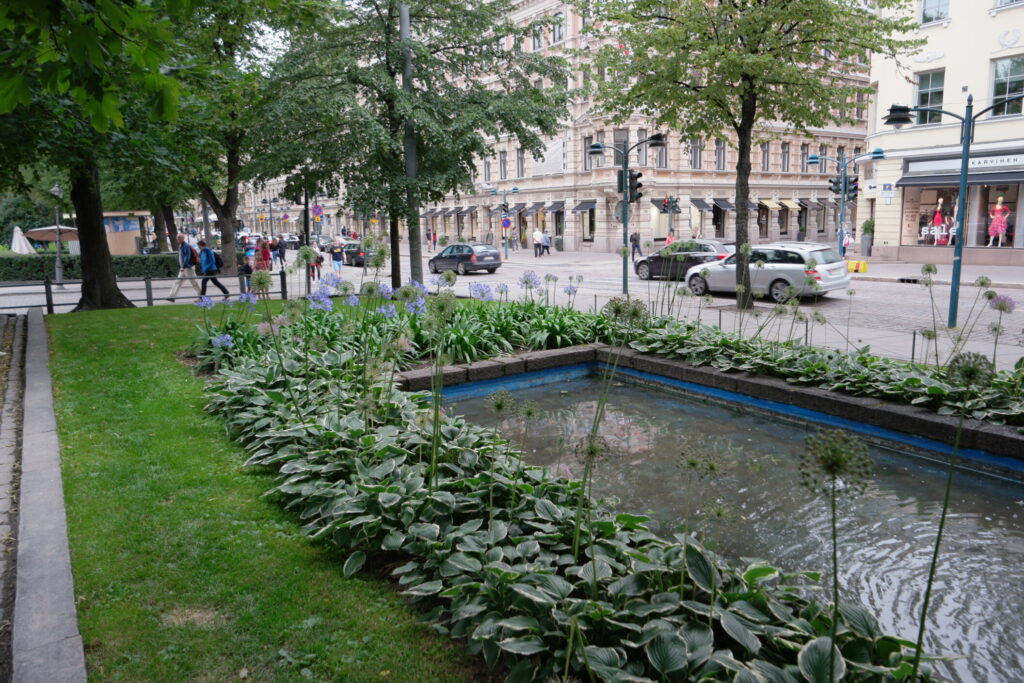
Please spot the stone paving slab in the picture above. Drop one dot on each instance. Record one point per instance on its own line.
(46, 644)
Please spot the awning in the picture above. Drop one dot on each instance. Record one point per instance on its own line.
(516, 209)
(452, 211)
(427, 214)
(790, 204)
(555, 206)
(585, 205)
(808, 203)
(954, 179)
(496, 210)
(751, 205)
(468, 210)
(828, 203)
(770, 204)
(534, 208)
(724, 204)
(700, 205)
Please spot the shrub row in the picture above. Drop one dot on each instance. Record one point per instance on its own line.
(18, 268)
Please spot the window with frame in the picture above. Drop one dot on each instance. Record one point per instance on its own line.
(719, 154)
(538, 40)
(929, 94)
(784, 158)
(823, 152)
(766, 158)
(590, 227)
(558, 29)
(620, 139)
(861, 111)
(503, 165)
(805, 153)
(696, 152)
(520, 162)
(934, 10)
(1007, 3)
(487, 170)
(641, 151)
(588, 161)
(856, 153)
(1008, 80)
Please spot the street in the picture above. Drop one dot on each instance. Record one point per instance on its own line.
(884, 314)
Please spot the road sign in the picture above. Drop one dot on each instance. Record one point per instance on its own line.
(284, 217)
(318, 210)
(506, 222)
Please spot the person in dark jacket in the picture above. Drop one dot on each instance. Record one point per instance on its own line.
(208, 266)
(186, 268)
(282, 251)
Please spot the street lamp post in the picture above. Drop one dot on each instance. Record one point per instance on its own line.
(270, 203)
(899, 116)
(597, 149)
(844, 188)
(504, 213)
(58, 266)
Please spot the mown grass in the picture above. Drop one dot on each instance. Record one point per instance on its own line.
(181, 571)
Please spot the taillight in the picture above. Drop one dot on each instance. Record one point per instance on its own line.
(813, 273)
(721, 256)
(472, 258)
(362, 254)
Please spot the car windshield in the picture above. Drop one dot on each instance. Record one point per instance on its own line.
(729, 248)
(824, 256)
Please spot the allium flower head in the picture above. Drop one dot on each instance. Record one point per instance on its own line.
(1002, 303)
(500, 402)
(835, 456)
(929, 269)
(529, 280)
(370, 288)
(417, 285)
(260, 281)
(969, 370)
(983, 282)
(387, 310)
(222, 341)
(448, 278)
(352, 301)
(501, 288)
(551, 277)
(205, 302)
(416, 306)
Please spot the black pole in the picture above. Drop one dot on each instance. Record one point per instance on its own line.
(412, 204)
(49, 295)
(305, 216)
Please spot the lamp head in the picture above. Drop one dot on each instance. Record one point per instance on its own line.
(813, 160)
(878, 153)
(515, 190)
(898, 116)
(494, 191)
(595, 149)
(57, 191)
(657, 140)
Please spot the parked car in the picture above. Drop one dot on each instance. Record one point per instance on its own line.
(809, 269)
(355, 253)
(674, 260)
(464, 258)
(290, 241)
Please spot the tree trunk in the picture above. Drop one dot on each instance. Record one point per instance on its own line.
(396, 260)
(172, 228)
(99, 287)
(744, 138)
(160, 228)
(228, 224)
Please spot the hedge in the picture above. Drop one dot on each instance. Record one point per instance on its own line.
(19, 268)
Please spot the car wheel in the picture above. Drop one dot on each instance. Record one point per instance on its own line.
(698, 285)
(491, 270)
(431, 266)
(461, 268)
(779, 291)
(643, 271)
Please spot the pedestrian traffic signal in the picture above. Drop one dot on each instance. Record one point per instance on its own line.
(664, 205)
(835, 185)
(634, 186)
(852, 188)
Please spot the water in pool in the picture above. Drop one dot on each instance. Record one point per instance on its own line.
(754, 507)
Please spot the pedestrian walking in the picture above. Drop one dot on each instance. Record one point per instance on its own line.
(546, 243)
(671, 237)
(282, 252)
(426, 235)
(210, 264)
(246, 270)
(538, 243)
(337, 253)
(433, 238)
(265, 256)
(187, 261)
(634, 241)
(274, 254)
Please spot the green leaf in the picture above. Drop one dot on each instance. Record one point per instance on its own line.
(632, 522)
(522, 672)
(527, 645)
(426, 588)
(746, 676)
(860, 620)
(666, 652)
(738, 632)
(497, 532)
(428, 531)
(814, 660)
(759, 573)
(700, 569)
(533, 593)
(354, 563)
(519, 623)
(463, 562)
(389, 499)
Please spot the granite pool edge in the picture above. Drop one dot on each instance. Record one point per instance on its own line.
(999, 440)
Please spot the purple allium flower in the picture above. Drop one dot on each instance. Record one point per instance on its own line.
(529, 280)
(247, 298)
(387, 310)
(385, 290)
(352, 301)
(1003, 304)
(331, 280)
(205, 302)
(418, 285)
(482, 291)
(417, 307)
(501, 288)
(551, 277)
(222, 341)
(570, 290)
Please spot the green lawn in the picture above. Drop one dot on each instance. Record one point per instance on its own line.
(181, 571)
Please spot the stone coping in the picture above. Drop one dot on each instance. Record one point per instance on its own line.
(997, 440)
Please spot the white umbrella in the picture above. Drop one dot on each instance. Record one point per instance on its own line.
(19, 244)
(49, 234)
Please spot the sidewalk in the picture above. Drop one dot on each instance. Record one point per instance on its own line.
(1011, 277)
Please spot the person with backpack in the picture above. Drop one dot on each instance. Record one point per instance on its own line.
(188, 259)
(210, 264)
(282, 252)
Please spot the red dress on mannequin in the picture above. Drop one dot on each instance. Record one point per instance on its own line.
(939, 223)
(997, 227)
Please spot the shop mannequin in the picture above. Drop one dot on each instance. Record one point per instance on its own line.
(938, 223)
(997, 228)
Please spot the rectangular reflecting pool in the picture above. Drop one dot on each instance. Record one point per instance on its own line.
(660, 450)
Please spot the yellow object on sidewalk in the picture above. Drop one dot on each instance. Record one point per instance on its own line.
(857, 266)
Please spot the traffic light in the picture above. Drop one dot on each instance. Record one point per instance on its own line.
(664, 205)
(673, 205)
(835, 185)
(852, 188)
(634, 186)
(504, 207)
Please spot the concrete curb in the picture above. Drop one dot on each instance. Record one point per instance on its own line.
(912, 279)
(46, 646)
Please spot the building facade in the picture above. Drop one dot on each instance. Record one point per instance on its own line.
(574, 196)
(973, 47)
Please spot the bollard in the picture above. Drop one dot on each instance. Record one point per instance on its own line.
(284, 285)
(807, 332)
(719, 318)
(48, 288)
(149, 291)
(241, 283)
(913, 345)
(309, 281)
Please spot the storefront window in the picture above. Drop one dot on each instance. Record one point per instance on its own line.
(590, 225)
(929, 215)
(996, 215)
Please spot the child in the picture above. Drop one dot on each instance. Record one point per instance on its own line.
(246, 270)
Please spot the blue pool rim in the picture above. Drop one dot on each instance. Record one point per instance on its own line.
(985, 462)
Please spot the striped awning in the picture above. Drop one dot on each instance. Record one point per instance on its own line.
(790, 204)
(534, 208)
(555, 206)
(724, 204)
(700, 205)
(770, 204)
(585, 205)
